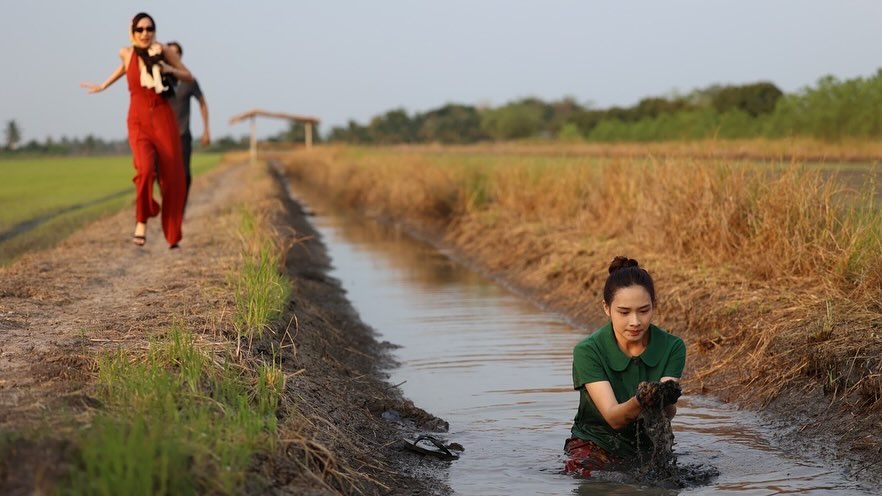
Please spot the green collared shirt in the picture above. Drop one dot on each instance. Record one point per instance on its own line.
(598, 358)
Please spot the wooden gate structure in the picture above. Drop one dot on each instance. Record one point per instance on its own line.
(253, 114)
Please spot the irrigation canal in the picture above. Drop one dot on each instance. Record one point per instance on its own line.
(498, 370)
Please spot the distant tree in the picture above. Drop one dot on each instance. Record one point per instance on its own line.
(703, 97)
(353, 133)
(33, 146)
(619, 114)
(296, 133)
(451, 124)
(13, 135)
(90, 144)
(395, 126)
(754, 99)
(523, 119)
(562, 113)
(570, 132)
(586, 119)
(654, 107)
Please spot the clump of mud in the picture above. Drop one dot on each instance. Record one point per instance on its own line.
(655, 425)
(658, 463)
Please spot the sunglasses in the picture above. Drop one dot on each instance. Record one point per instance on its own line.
(149, 29)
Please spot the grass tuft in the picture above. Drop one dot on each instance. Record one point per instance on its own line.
(262, 290)
(176, 422)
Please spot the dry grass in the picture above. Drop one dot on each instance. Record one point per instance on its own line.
(772, 274)
(781, 150)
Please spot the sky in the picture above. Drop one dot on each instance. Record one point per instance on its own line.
(342, 60)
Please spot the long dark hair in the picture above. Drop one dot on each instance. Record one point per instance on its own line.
(625, 272)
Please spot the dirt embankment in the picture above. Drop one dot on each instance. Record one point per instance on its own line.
(96, 293)
(807, 359)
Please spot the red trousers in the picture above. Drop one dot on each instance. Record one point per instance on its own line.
(584, 456)
(156, 147)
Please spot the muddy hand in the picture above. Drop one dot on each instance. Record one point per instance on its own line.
(670, 392)
(648, 394)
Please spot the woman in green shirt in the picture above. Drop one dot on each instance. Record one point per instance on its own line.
(616, 370)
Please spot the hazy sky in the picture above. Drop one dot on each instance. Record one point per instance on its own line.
(341, 60)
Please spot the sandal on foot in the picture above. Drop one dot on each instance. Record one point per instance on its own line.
(441, 452)
(139, 240)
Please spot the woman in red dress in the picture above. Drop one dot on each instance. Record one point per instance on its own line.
(153, 128)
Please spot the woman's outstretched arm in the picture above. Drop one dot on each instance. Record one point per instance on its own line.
(120, 70)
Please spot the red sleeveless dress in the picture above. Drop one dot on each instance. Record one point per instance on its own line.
(156, 148)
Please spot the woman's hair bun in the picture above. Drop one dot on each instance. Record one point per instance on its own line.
(621, 262)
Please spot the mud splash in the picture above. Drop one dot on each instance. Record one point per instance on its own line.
(658, 463)
(655, 425)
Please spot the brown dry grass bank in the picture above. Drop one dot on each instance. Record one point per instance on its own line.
(772, 275)
(781, 150)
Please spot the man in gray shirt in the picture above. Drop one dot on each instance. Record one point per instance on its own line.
(181, 105)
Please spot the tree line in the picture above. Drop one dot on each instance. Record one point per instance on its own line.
(830, 110)
(88, 145)
(14, 143)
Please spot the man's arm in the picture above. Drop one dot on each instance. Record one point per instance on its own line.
(203, 109)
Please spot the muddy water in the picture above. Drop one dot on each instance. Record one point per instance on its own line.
(498, 370)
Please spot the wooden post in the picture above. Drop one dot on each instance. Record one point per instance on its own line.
(253, 147)
(307, 120)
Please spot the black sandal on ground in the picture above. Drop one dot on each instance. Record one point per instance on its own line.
(441, 452)
(139, 240)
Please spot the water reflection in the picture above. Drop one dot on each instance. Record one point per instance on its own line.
(498, 370)
(616, 489)
(428, 267)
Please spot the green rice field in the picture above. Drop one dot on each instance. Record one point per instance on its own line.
(45, 199)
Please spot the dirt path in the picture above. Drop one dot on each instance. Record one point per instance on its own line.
(96, 291)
